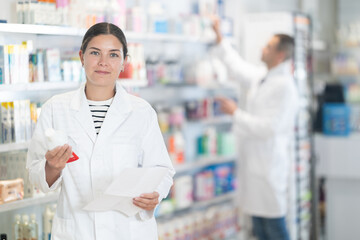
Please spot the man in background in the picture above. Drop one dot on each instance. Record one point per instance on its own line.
(264, 128)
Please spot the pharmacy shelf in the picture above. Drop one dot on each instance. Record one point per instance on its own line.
(34, 91)
(226, 119)
(133, 83)
(200, 204)
(40, 90)
(131, 36)
(41, 29)
(13, 146)
(203, 162)
(219, 199)
(79, 32)
(175, 93)
(28, 202)
(38, 86)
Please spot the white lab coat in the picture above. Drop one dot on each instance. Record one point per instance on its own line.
(265, 131)
(129, 137)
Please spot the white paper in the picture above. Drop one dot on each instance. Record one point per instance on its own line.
(132, 182)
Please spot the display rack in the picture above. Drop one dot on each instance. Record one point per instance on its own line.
(172, 93)
(34, 91)
(28, 202)
(305, 167)
(52, 197)
(79, 32)
(200, 204)
(41, 91)
(226, 119)
(8, 147)
(203, 162)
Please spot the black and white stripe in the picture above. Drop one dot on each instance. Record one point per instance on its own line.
(98, 111)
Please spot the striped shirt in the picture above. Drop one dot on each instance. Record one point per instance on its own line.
(98, 111)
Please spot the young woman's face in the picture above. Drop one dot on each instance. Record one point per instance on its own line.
(103, 60)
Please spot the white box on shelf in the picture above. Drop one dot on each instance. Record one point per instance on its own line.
(52, 65)
(19, 131)
(338, 156)
(6, 123)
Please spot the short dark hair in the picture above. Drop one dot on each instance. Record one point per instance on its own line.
(104, 28)
(286, 45)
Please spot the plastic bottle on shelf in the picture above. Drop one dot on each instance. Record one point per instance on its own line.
(25, 227)
(177, 147)
(168, 233)
(17, 228)
(48, 216)
(178, 229)
(176, 140)
(129, 69)
(163, 118)
(211, 141)
(188, 228)
(33, 225)
(183, 191)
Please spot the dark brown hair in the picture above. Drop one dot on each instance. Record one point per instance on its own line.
(286, 45)
(104, 28)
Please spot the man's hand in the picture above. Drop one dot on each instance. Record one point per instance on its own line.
(228, 106)
(147, 201)
(216, 26)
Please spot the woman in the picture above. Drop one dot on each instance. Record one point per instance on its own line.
(109, 130)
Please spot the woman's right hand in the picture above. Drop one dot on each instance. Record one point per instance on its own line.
(56, 158)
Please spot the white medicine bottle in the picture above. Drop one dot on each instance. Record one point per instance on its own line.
(17, 231)
(33, 225)
(25, 227)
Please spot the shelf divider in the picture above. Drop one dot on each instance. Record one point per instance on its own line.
(7, 147)
(28, 202)
(203, 162)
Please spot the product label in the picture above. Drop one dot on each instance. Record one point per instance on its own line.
(73, 158)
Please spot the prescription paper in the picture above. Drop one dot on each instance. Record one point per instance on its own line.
(132, 182)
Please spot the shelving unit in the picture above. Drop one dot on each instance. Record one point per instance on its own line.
(13, 147)
(41, 91)
(35, 91)
(28, 202)
(9, 92)
(172, 93)
(201, 204)
(203, 162)
(226, 119)
(77, 32)
(52, 197)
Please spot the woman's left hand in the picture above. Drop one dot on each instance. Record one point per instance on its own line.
(147, 201)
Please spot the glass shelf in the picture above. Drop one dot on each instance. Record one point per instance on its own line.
(226, 119)
(7, 147)
(200, 204)
(28, 202)
(203, 162)
(79, 32)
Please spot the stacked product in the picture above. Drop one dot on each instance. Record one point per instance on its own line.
(20, 64)
(218, 222)
(18, 120)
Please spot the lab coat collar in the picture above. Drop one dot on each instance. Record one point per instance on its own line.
(121, 96)
(117, 113)
(282, 68)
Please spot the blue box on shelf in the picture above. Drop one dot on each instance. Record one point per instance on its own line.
(161, 26)
(336, 119)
